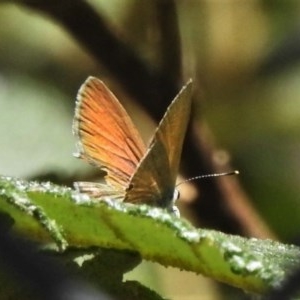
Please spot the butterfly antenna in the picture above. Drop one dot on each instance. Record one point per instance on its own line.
(209, 175)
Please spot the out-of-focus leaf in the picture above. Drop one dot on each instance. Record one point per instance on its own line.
(53, 214)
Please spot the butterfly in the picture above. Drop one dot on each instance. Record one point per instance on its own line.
(108, 139)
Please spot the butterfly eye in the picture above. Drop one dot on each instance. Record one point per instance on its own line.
(176, 195)
(174, 210)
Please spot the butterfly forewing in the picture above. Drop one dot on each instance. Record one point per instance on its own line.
(153, 182)
(106, 135)
(172, 128)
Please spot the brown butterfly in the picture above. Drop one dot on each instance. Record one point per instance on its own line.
(108, 139)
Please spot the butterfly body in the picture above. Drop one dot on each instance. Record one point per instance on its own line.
(108, 139)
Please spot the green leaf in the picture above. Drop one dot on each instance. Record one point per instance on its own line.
(60, 216)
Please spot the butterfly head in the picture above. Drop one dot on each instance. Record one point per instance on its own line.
(168, 202)
(172, 207)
